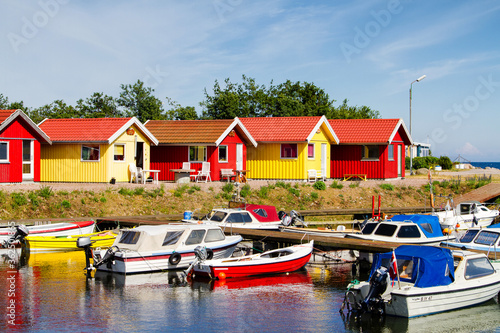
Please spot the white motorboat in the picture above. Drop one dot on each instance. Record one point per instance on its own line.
(249, 216)
(161, 247)
(426, 280)
(404, 229)
(482, 239)
(466, 215)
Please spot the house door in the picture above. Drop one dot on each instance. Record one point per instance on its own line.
(239, 156)
(324, 161)
(400, 161)
(27, 160)
(139, 154)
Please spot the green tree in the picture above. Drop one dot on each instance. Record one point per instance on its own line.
(98, 105)
(138, 101)
(224, 104)
(445, 162)
(178, 112)
(345, 111)
(6, 105)
(56, 110)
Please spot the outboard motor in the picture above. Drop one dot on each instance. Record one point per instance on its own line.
(21, 232)
(281, 214)
(201, 254)
(373, 302)
(297, 218)
(85, 244)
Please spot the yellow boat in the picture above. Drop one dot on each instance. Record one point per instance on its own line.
(68, 243)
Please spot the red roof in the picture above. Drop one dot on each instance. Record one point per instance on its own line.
(358, 131)
(82, 129)
(4, 114)
(280, 129)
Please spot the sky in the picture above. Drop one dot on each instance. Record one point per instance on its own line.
(369, 52)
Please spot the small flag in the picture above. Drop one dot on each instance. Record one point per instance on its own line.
(393, 270)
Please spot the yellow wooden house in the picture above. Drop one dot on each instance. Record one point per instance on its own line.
(94, 149)
(289, 148)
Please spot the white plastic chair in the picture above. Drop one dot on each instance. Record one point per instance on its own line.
(187, 166)
(311, 175)
(135, 173)
(204, 173)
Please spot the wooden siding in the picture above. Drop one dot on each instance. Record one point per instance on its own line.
(12, 172)
(315, 163)
(165, 158)
(264, 162)
(61, 162)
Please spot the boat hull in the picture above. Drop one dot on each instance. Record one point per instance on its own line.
(67, 243)
(133, 262)
(54, 229)
(247, 266)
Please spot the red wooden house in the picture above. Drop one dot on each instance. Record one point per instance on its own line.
(369, 148)
(221, 142)
(20, 140)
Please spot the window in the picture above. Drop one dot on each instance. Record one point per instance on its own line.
(196, 237)
(4, 151)
(408, 231)
(197, 153)
(217, 216)
(239, 218)
(214, 235)
(478, 267)
(260, 211)
(222, 153)
(90, 153)
(390, 153)
(370, 153)
(289, 150)
(119, 152)
(129, 237)
(385, 229)
(427, 227)
(172, 237)
(310, 150)
(486, 238)
(469, 236)
(368, 228)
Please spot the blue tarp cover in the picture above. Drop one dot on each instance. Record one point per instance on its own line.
(495, 226)
(432, 266)
(429, 224)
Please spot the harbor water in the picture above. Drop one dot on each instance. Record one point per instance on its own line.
(50, 293)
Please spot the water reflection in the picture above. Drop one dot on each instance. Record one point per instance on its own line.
(51, 292)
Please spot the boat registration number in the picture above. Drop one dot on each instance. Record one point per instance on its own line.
(422, 299)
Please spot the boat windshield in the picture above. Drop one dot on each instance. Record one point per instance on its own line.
(385, 229)
(487, 238)
(469, 236)
(408, 231)
(368, 229)
(218, 216)
(242, 217)
(214, 235)
(196, 237)
(129, 237)
(172, 237)
(478, 267)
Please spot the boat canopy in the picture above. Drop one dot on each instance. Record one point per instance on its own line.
(263, 213)
(429, 224)
(431, 266)
(494, 226)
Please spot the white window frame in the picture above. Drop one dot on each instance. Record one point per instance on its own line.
(390, 152)
(227, 154)
(314, 151)
(204, 153)
(7, 159)
(124, 152)
(296, 151)
(90, 146)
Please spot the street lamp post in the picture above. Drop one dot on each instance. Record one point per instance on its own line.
(411, 146)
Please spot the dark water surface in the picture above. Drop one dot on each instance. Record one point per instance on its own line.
(51, 294)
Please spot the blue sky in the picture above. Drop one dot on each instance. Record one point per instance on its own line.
(366, 51)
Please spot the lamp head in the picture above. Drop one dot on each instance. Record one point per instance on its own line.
(421, 78)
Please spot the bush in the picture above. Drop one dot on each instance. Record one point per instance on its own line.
(65, 204)
(314, 196)
(387, 187)
(228, 188)
(263, 192)
(336, 185)
(45, 192)
(319, 185)
(294, 191)
(18, 199)
(125, 191)
(245, 191)
(34, 199)
(193, 189)
(445, 162)
(103, 199)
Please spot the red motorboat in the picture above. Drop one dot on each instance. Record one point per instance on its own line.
(283, 260)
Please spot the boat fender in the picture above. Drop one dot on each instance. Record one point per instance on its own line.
(210, 254)
(174, 259)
